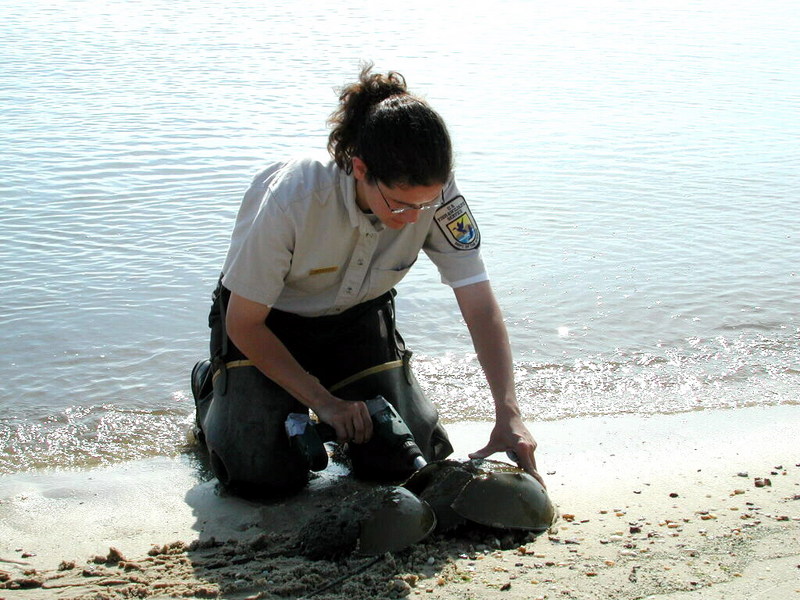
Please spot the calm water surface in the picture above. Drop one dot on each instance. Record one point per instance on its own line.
(634, 169)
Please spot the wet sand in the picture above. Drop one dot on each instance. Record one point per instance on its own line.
(695, 505)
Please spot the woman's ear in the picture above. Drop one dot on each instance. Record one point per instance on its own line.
(359, 169)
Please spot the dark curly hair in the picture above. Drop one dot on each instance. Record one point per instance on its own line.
(400, 138)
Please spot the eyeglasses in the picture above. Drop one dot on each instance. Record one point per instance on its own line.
(405, 207)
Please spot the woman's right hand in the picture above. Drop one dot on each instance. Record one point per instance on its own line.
(351, 420)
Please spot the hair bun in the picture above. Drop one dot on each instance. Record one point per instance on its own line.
(398, 135)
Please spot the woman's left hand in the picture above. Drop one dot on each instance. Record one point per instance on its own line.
(513, 436)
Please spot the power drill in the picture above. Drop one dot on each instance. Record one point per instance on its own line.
(387, 426)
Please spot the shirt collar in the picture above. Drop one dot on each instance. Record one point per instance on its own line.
(358, 219)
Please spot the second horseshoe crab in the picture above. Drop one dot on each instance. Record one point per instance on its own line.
(385, 519)
(486, 492)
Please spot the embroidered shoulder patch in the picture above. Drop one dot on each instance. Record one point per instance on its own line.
(457, 224)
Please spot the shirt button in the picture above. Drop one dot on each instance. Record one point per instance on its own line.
(349, 290)
(360, 262)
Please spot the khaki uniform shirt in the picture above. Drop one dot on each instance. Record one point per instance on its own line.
(301, 244)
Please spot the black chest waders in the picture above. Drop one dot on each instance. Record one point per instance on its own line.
(356, 355)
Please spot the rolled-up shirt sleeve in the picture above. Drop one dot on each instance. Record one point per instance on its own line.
(258, 268)
(453, 241)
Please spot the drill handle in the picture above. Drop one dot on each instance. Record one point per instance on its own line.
(325, 432)
(308, 439)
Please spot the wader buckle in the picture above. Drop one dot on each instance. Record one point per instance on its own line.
(407, 367)
(220, 375)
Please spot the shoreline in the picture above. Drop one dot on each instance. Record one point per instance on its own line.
(650, 507)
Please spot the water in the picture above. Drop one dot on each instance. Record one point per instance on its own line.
(633, 168)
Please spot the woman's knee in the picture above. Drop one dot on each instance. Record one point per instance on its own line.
(245, 434)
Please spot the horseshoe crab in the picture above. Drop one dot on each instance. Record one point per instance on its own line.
(486, 492)
(385, 519)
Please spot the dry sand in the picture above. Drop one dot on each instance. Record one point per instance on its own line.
(689, 506)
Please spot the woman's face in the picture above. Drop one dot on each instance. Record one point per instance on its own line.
(397, 205)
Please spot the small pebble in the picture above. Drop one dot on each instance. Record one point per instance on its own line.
(399, 588)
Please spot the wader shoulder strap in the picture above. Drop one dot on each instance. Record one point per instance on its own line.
(222, 324)
(219, 354)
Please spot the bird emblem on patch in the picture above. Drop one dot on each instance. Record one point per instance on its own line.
(458, 225)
